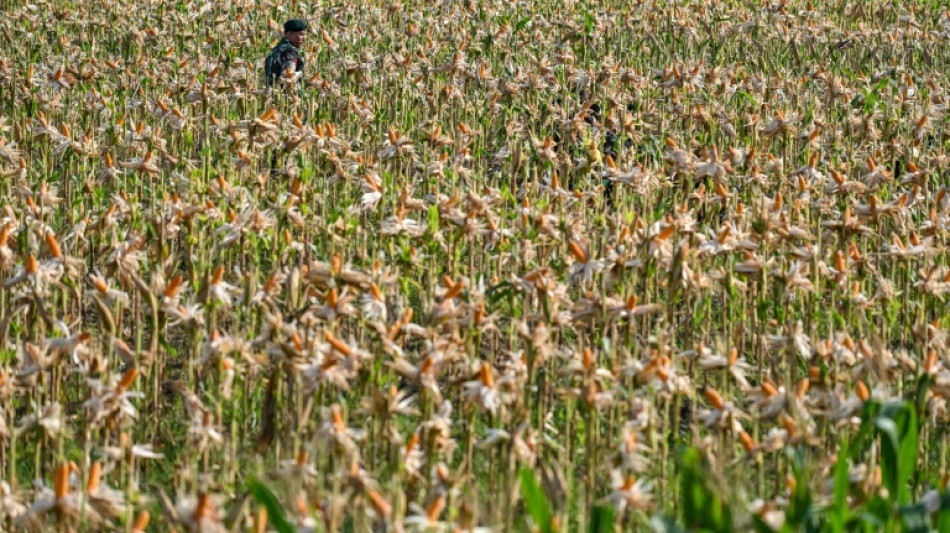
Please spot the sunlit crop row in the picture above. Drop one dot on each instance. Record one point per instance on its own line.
(487, 266)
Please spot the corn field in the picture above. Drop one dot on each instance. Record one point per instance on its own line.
(658, 265)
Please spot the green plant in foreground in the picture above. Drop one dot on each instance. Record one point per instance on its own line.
(504, 266)
(892, 425)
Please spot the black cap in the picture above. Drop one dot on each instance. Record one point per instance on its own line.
(296, 25)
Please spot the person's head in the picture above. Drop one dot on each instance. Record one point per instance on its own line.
(294, 31)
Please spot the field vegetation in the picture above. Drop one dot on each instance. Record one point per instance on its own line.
(519, 266)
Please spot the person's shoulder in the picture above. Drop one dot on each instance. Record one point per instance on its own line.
(290, 50)
(277, 48)
(287, 47)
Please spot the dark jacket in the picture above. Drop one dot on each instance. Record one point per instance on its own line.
(283, 55)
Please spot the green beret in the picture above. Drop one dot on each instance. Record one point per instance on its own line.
(295, 25)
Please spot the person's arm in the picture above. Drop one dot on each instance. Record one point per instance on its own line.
(290, 59)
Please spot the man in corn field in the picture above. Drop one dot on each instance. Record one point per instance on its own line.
(284, 56)
(287, 52)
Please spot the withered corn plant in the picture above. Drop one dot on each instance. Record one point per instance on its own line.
(485, 266)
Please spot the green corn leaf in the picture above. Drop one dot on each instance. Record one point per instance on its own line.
(943, 516)
(588, 23)
(602, 519)
(760, 526)
(908, 431)
(866, 518)
(535, 501)
(800, 510)
(890, 445)
(434, 219)
(839, 512)
(275, 512)
(168, 347)
(701, 507)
